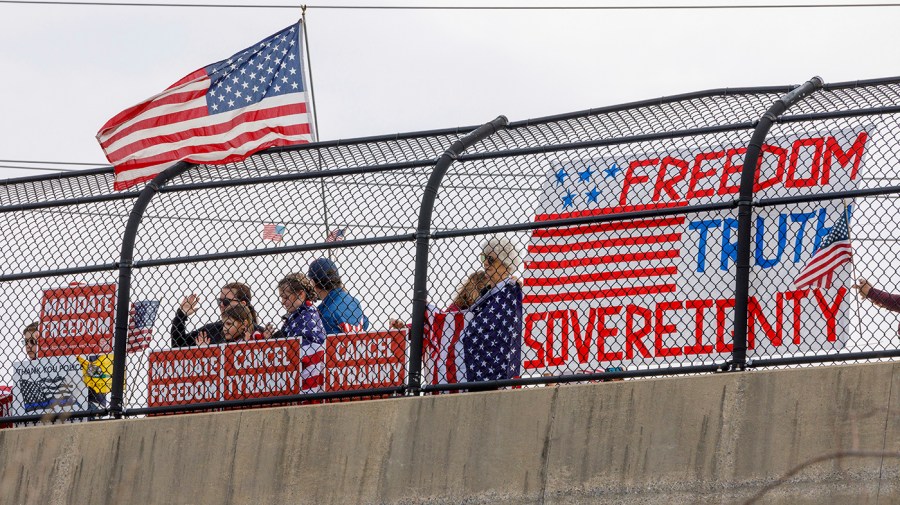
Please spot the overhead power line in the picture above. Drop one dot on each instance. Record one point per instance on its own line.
(41, 169)
(454, 7)
(63, 166)
(96, 165)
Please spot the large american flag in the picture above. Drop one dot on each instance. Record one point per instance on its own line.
(221, 113)
(834, 251)
(481, 343)
(618, 259)
(312, 371)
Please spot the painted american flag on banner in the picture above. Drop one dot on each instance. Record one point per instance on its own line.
(604, 260)
(641, 291)
(221, 113)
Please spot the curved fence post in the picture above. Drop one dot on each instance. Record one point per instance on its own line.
(423, 238)
(745, 214)
(123, 293)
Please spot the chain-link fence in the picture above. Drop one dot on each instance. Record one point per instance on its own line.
(713, 231)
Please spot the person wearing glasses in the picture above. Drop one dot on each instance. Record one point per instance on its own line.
(30, 340)
(493, 337)
(231, 294)
(500, 260)
(340, 311)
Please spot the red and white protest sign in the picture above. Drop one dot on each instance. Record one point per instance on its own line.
(279, 367)
(366, 360)
(77, 320)
(184, 376)
(6, 401)
(261, 368)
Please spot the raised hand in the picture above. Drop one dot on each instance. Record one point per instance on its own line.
(189, 304)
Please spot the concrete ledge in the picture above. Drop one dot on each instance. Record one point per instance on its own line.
(704, 439)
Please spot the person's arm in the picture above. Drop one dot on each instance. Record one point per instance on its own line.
(884, 299)
(178, 331)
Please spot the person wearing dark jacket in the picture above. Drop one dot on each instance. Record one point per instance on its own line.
(232, 293)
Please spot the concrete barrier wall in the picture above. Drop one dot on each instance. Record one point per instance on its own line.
(704, 439)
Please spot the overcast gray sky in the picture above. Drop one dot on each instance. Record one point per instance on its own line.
(67, 69)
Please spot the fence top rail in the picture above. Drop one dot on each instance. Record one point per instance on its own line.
(515, 125)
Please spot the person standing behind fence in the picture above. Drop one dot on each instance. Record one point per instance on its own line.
(231, 294)
(340, 311)
(238, 324)
(30, 340)
(303, 322)
(493, 338)
(302, 319)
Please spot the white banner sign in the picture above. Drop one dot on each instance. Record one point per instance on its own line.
(657, 290)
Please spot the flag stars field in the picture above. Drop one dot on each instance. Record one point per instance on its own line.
(586, 176)
(612, 171)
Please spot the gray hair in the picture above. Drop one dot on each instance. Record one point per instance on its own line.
(504, 249)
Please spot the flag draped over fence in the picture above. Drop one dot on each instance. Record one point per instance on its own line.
(834, 251)
(221, 113)
(481, 343)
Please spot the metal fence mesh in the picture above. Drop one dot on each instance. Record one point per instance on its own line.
(599, 244)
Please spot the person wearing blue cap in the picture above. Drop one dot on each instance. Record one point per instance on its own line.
(340, 311)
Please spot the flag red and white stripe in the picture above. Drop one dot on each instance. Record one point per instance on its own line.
(604, 260)
(834, 251)
(312, 371)
(140, 328)
(443, 359)
(203, 118)
(819, 272)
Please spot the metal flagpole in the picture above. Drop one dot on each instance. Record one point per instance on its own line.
(853, 267)
(312, 92)
(315, 118)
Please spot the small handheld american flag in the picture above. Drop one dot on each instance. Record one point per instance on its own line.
(273, 232)
(834, 251)
(141, 317)
(336, 235)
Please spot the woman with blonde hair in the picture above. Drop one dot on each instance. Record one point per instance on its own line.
(469, 291)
